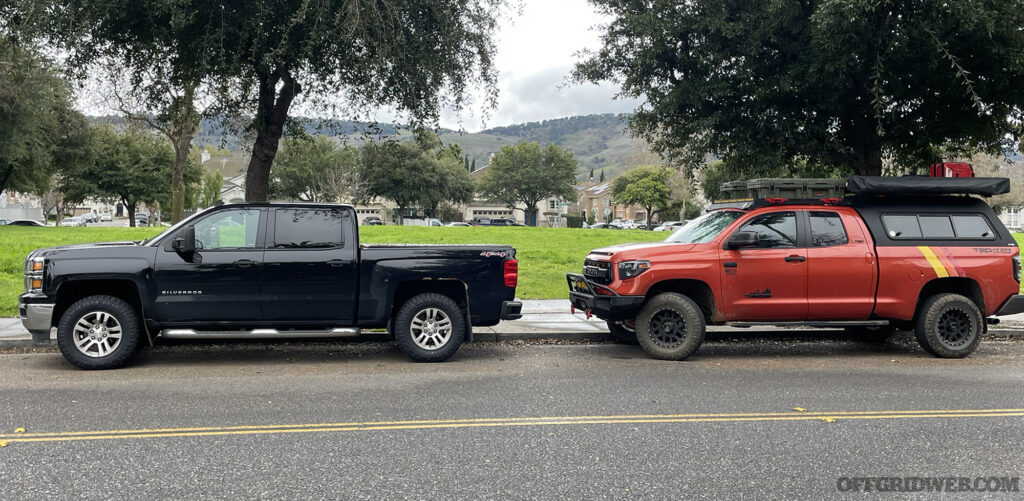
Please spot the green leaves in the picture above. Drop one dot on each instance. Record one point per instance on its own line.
(841, 83)
(527, 173)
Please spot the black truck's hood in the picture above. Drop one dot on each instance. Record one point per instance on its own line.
(62, 249)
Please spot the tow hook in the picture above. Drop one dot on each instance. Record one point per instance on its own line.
(572, 309)
(588, 314)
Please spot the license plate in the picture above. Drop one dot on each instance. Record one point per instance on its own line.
(578, 285)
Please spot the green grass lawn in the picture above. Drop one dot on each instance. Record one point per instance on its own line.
(544, 254)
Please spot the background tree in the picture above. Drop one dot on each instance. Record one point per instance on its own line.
(34, 105)
(132, 167)
(526, 173)
(420, 173)
(414, 56)
(647, 187)
(842, 83)
(74, 151)
(395, 171)
(314, 169)
(211, 185)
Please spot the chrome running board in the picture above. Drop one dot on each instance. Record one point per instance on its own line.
(257, 333)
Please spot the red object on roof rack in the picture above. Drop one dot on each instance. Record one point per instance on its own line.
(951, 169)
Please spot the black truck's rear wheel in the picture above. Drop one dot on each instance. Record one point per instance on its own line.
(949, 326)
(429, 328)
(98, 332)
(622, 334)
(670, 326)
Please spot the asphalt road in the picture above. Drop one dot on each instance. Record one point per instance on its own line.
(748, 418)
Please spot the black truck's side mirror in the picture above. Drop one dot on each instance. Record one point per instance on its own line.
(741, 239)
(185, 244)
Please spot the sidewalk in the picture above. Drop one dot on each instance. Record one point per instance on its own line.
(542, 319)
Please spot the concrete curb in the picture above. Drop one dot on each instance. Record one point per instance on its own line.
(569, 336)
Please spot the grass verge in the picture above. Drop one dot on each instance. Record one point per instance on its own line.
(545, 254)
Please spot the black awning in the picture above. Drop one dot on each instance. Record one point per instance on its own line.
(923, 185)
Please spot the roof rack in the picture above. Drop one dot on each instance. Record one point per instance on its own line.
(755, 193)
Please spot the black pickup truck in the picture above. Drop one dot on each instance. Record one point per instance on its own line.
(260, 270)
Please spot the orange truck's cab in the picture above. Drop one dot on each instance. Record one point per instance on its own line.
(872, 263)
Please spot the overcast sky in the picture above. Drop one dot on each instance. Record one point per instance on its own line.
(536, 52)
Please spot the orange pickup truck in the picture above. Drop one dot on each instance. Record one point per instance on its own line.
(901, 253)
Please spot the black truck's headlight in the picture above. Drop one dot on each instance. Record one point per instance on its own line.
(34, 274)
(630, 269)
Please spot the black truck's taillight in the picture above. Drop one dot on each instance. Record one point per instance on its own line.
(511, 272)
(1016, 268)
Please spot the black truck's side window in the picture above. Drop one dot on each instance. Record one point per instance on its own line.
(307, 228)
(827, 229)
(228, 229)
(776, 230)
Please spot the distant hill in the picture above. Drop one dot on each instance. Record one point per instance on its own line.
(600, 142)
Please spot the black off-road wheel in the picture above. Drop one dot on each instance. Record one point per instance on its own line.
(872, 334)
(949, 326)
(670, 326)
(99, 332)
(429, 328)
(621, 334)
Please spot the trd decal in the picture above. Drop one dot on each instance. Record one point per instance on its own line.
(993, 250)
(759, 294)
(493, 253)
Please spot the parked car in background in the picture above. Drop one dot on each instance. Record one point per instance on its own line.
(4, 222)
(25, 222)
(90, 217)
(372, 221)
(481, 221)
(73, 221)
(142, 219)
(604, 226)
(106, 217)
(670, 226)
(421, 221)
(503, 221)
(458, 223)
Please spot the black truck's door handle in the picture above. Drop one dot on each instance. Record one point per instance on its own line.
(795, 259)
(244, 263)
(337, 263)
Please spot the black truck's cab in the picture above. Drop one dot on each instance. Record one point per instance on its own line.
(263, 270)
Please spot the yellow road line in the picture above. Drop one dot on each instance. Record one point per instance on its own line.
(507, 422)
(499, 420)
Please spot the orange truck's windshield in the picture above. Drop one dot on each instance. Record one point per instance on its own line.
(705, 228)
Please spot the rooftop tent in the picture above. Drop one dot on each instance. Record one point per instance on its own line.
(921, 185)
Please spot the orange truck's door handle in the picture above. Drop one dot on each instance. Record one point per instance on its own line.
(795, 259)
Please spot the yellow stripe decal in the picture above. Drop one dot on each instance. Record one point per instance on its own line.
(933, 260)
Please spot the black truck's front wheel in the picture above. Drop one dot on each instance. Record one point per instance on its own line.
(98, 332)
(429, 328)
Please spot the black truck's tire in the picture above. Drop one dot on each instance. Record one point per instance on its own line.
(88, 330)
(949, 326)
(872, 334)
(430, 328)
(620, 334)
(670, 326)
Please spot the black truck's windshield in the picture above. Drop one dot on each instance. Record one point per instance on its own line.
(705, 228)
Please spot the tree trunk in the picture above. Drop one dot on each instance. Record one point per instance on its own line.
(269, 125)
(130, 208)
(867, 160)
(185, 128)
(650, 211)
